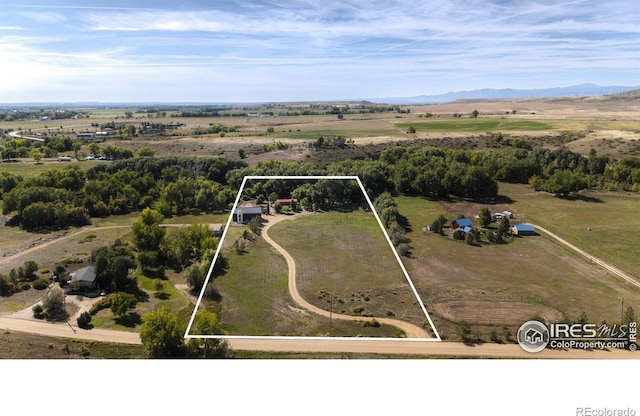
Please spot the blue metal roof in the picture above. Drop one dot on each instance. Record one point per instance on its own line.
(464, 222)
(524, 227)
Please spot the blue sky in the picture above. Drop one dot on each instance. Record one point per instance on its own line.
(250, 51)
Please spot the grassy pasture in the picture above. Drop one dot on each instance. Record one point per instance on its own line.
(256, 302)
(601, 223)
(345, 258)
(531, 275)
(476, 125)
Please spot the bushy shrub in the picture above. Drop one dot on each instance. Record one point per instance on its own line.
(84, 320)
(38, 311)
(103, 303)
(40, 284)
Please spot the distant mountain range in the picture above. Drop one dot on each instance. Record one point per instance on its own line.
(581, 90)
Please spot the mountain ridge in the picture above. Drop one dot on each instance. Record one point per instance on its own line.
(578, 90)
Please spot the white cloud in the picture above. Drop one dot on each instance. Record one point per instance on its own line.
(331, 47)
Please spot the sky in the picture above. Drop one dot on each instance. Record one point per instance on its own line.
(308, 50)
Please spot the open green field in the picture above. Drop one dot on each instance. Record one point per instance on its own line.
(477, 125)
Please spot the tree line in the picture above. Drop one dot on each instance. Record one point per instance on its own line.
(67, 196)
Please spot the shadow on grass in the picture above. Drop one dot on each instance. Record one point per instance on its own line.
(582, 198)
(130, 320)
(162, 295)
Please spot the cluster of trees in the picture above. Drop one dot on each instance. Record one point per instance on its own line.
(68, 196)
(331, 142)
(41, 114)
(387, 211)
(52, 199)
(162, 335)
(50, 147)
(178, 185)
(17, 280)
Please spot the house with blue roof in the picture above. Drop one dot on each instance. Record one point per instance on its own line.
(463, 223)
(523, 229)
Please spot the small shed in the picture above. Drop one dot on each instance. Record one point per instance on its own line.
(243, 215)
(523, 229)
(216, 229)
(85, 277)
(287, 202)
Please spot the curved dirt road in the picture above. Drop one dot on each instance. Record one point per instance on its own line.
(412, 331)
(613, 270)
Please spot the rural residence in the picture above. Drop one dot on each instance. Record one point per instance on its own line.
(85, 278)
(465, 224)
(243, 215)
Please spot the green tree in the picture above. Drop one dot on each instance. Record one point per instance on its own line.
(194, 278)
(112, 265)
(463, 331)
(121, 302)
(629, 316)
(53, 304)
(94, 149)
(162, 334)
(207, 323)
(503, 226)
(147, 233)
(84, 320)
(36, 155)
(484, 218)
(146, 151)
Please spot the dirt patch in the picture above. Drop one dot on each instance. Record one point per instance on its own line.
(494, 312)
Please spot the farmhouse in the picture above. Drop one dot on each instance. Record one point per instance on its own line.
(242, 215)
(523, 229)
(85, 277)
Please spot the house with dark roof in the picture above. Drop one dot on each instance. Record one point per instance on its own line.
(85, 277)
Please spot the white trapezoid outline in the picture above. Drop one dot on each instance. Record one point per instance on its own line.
(397, 256)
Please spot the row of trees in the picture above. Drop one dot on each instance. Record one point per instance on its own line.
(61, 197)
(178, 185)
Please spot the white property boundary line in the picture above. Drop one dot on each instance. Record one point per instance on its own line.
(224, 233)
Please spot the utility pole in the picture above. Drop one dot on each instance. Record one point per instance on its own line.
(330, 310)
